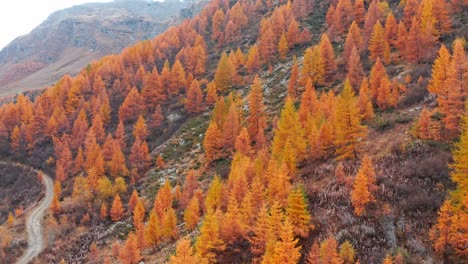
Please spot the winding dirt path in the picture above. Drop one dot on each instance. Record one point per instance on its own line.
(34, 221)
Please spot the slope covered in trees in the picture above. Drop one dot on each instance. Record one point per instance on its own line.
(323, 144)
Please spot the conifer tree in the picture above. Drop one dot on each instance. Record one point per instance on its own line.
(355, 70)
(283, 46)
(194, 102)
(313, 257)
(209, 241)
(185, 255)
(286, 249)
(213, 143)
(169, 224)
(213, 199)
(117, 209)
(347, 252)
(293, 84)
(153, 229)
(364, 186)
(378, 46)
(192, 214)
(139, 129)
(364, 101)
(130, 253)
(242, 144)
(388, 259)
(224, 74)
(328, 55)
(211, 93)
(350, 133)
(328, 251)
(313, 66)
(288, 129)
(297, 212)
(256, 119)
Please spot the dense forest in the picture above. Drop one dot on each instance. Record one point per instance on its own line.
(259, 132)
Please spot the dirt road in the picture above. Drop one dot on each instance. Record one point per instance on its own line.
(34, 223)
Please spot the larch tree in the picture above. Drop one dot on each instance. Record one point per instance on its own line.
(140, 129)
(231, 127)
(328, 55)
(313, 257)
(391, 30)
(164, 199)
(213, 143)
(224, 74)
(243, 142)
(211, 93)
(313, 66)
(363, 188)
(185, 254)
(350, 133)
(139, 213)
(169, 224)
(157, 117)
(178, 79)
(354, 67)
(214, 195)
(293, 83)
(286, 250)
(209, 241)
(347, 252)
(378, 72)
(194, 101)
(298, 213)
(366, 108)
(353, 39)
(131, 107)
(153, 229)
(256, 120)
(130, 253)
(387, 260)
(192, 214)
(253, 59)
(289, 129)
(117, 209)
(440, 72)
(328, 251)
(283, 47)
(378, 45)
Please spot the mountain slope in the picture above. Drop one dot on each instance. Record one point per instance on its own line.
(262, 131)
(71, 38)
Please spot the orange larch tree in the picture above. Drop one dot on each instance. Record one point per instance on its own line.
(350, 133)
(298, 213)
(209, 241)
(130, 253)
(117, 209)
(355, 70)
(224, 74)
(194, 101)
(256, 120)
(139, 129)
(192, 214)
(364, 186)
(293, 84)
(313, 66)
(213, 143)
(378, 45)
(328, 55)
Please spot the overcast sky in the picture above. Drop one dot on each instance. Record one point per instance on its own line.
(19, 17)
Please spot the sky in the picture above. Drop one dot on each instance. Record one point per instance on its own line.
(19, 17)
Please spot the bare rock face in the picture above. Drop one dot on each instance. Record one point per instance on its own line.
(69, 39)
